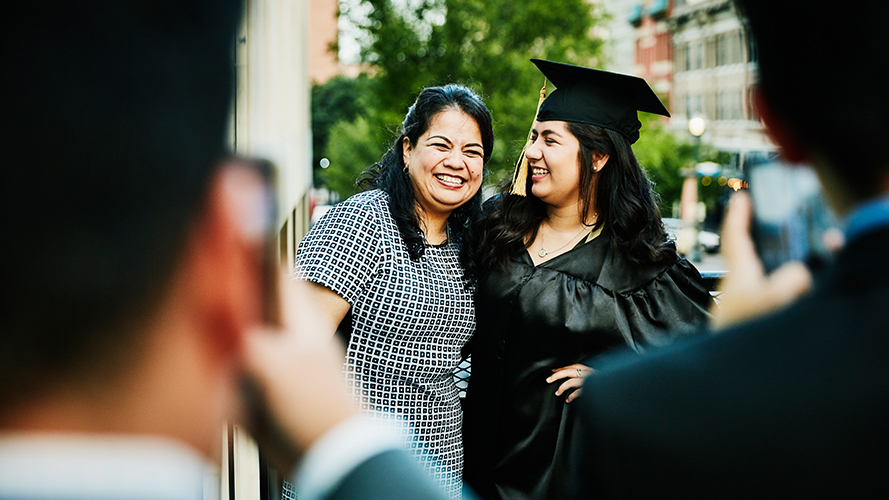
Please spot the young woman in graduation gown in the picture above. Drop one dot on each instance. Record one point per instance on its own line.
(575, 263)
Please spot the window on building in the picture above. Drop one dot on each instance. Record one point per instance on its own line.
(735, 47)
(709, 104)
(752, 114)
(694, 104)
(729, 48)
(709, 52)
(728, 106)
(697, 58)
(679, 58)
(752, 50)
(687, 51)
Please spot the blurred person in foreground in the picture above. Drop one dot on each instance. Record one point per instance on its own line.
(133, 262)
(390, 266)
(791, 398)
(575, 263)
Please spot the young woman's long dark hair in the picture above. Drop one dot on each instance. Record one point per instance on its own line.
(390, 175)
(625, 203)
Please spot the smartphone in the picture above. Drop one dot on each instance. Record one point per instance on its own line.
(257, 420)
(791, 218)
(271, 264)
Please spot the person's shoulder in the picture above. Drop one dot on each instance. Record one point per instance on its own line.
(621, 275)
(362, 216)
(363, 206)
(371, 199)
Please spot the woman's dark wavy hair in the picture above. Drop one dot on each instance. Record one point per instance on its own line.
(389, 173)
(627, 208)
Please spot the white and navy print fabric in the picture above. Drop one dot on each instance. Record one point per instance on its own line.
(409, 321)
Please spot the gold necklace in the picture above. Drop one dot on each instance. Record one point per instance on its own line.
(543, 252)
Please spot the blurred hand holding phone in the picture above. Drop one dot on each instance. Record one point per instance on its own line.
(293, 389)
(775, 239)
(791, 218)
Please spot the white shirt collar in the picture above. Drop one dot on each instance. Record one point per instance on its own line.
(102, 467)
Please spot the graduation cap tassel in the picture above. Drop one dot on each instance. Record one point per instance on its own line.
(520, 177)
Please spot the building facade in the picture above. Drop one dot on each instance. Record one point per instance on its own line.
(653, 50)
(620, 36)
(696, 55)
(323, 33)
(270, 115)
(714, 71)
(324, 61)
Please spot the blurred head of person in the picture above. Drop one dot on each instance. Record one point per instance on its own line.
(821, 89)
(116, 116)
(437, 163)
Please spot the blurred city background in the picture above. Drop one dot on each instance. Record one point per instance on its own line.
(323, 84)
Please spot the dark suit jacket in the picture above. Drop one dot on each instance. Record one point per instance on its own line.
(795, 404)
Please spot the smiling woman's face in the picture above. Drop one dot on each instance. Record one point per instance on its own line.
(446, 163)
(553, 163)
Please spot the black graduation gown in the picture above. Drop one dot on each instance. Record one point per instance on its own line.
(531, 319)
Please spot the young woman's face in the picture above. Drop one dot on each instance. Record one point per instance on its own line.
(446, 163)
(553, 163)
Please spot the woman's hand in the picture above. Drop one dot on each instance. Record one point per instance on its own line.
(575, 374)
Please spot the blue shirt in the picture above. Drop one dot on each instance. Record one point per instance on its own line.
(868, 216)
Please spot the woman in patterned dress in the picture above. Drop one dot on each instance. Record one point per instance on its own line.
(389, 266)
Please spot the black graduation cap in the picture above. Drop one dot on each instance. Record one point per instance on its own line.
(596, 97)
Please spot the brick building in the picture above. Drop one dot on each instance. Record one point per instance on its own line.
(324, 63)
(714, 70)
(696, 55)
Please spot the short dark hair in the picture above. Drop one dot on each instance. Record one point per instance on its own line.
(821, 68)
(388, 174)
(115, 113)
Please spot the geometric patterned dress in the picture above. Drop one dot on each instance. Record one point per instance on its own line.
(409, 322)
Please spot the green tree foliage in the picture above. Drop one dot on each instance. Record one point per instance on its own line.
(351, 143)
(484, 44)
(341, 99)
(667, 157)
(663, 156)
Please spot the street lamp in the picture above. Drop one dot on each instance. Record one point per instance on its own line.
(689, 202)
(696, 126)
